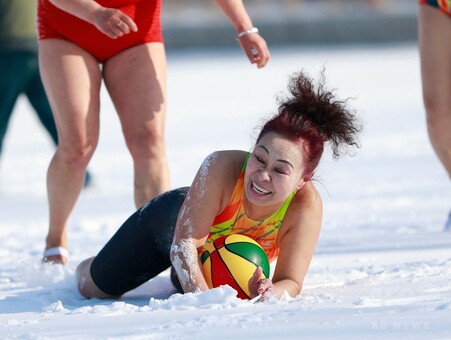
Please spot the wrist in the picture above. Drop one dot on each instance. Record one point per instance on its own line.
(91, 11)
(251, 30)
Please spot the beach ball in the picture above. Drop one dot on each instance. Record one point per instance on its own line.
(232, 260)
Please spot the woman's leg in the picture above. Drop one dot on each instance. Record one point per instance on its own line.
(139, 251)
(38, 99)
(435, 53)
(14, 78)
(86, 285)
(136, 81)
(72, 79)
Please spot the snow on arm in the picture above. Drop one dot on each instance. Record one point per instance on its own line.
(193, 225)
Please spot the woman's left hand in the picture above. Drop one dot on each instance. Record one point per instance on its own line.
(113, 22)
(263, 287)
(255, 48)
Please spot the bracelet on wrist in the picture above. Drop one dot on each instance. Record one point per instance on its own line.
(246, 32)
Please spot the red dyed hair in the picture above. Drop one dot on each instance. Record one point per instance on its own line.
(311, 116)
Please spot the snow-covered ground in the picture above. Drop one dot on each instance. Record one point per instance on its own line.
(382, 266)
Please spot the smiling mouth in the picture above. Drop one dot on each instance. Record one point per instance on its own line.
(259, 190)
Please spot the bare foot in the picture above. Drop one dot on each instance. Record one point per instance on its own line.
(55, 255)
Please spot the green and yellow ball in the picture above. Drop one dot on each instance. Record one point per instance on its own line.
(232, 260)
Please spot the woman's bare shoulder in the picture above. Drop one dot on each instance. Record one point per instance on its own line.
(223, 168)
(306, 203)
(309, 196)
(226, 161)
(228, 155)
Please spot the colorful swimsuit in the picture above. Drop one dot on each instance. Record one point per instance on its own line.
(141, 247)
(233, 220)
(443, 5)
(54, 23)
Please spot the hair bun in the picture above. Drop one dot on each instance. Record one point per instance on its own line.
(318, 107)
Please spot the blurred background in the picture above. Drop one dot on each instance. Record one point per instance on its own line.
(199, 23)
(216, 100)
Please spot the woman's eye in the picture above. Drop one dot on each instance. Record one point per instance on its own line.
(259, 159)
(280, 171)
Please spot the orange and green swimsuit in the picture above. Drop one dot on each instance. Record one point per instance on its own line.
(443, 5)
(233, 220)
(141, 247)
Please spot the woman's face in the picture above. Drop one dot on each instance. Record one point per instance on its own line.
(273, 171)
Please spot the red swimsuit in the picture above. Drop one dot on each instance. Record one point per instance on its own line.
(54, 23)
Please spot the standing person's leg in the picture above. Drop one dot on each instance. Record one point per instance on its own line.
(72, 80)
(136, 81)
(435, 53)
(38, 99)
(12, 82)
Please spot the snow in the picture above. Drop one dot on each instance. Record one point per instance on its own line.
(382, 267)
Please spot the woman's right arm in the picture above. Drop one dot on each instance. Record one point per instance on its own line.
(110, 21)
(252, 44)
(83, 9)
(203, 202)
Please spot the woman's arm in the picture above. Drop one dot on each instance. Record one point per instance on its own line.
(236, 12)
(82, 9)
(204, 201)
(251, 42)
(110, 21)
(297, 240)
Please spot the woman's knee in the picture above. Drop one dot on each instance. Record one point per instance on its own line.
(436, 112)
(85, 284)
(75, 154)
(146, 144)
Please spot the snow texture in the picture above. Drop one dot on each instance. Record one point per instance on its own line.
(382, 268)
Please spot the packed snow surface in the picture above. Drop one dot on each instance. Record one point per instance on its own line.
(382, 268)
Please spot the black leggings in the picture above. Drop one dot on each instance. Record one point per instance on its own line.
(140, 249)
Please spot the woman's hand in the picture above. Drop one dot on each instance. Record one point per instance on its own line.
(113, 22)
(255, 48)
(110, 21)
(263, 287)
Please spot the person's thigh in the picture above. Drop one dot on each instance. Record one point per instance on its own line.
(72, 80)
(435, 52)
(136, 81)
(140, 249)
